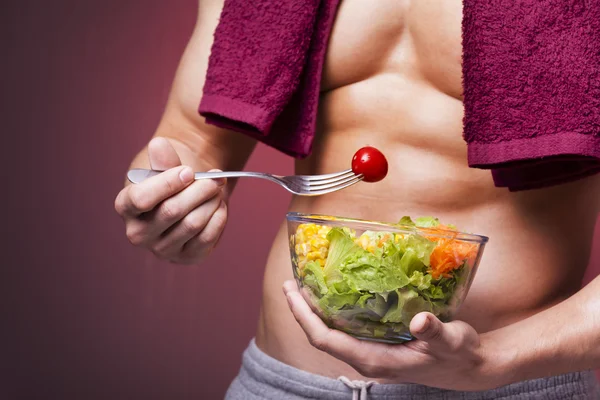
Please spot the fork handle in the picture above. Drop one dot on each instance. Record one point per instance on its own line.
(231, 174)
(138, 175)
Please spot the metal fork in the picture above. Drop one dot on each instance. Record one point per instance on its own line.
(301, 185)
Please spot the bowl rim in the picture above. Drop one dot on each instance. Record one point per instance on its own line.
(333, 220)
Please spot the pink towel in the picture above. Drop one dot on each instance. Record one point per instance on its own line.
(531, 82)
(531, 73)
(264, 71)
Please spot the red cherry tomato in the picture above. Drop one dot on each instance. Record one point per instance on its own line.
(371, 163)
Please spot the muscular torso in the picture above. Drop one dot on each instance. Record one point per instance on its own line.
(393, 80)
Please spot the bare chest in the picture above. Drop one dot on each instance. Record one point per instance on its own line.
(418, 39)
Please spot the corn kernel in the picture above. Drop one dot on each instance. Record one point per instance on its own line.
(302, 249)
(323, 231)
(363, 241)
(318, 242)
(311, 244)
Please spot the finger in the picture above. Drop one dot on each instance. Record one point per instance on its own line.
(219, 223)
(162, 154)
(177, 207)
(145, 196)
(370, 359)
(220, 181)
(334, 342)
(191, 225)
(137, 231)
(305, 292)
(439, 336)
(289, 286)
(204, 242)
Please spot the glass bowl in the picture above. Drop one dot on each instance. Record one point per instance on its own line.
(369, 279)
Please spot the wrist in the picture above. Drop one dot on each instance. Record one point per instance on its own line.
(500, 362)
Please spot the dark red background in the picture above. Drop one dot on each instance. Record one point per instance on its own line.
(85, 315)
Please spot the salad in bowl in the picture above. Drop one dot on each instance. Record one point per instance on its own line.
(369, 279)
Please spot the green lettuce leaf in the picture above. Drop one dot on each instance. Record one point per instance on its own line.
(414, 306)
(420, 281)
(416, 253)
(409, 304)
(396, 311)
(363, 271)
(341, 246)
(336, 301)
(362, 300)
(421, 222)
(398, 328)
(377, 304)
(379, 331)
(427, 222)
(406, 220)
(314, 278)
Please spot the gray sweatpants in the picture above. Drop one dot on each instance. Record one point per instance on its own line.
(263, 377)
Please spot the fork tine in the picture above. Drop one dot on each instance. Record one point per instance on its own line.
(326, 184)
(336, 187)
(323, 176)
(338, 178)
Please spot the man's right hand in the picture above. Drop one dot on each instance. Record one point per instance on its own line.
(177, 218)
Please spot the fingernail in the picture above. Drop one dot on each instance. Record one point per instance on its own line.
(289, 300)
(286, 288)
(218, 181)
(425, 326)
(186, 175)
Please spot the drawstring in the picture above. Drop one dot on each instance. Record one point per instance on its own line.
(358, 387)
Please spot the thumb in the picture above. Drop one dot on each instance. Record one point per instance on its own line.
(162, 154)
(441, 336)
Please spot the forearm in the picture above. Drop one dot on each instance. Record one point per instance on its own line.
(561, 339)
(199, 145)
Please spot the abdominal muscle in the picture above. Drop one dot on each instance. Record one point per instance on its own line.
(395, 85)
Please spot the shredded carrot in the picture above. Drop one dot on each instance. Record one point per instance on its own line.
(383, 240)
(449, 254)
